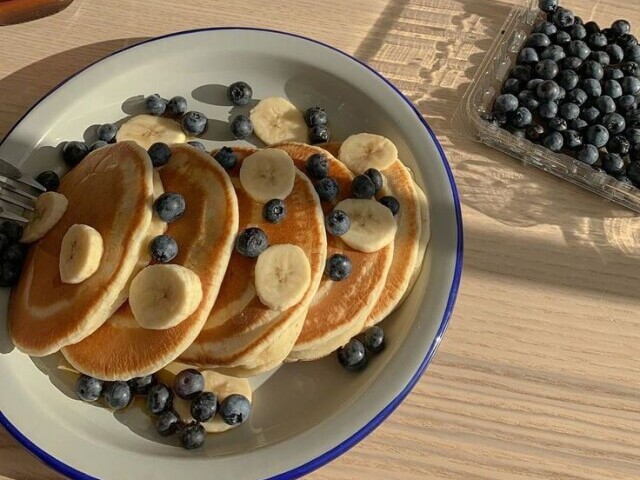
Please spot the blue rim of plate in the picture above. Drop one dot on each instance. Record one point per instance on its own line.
(341, 448)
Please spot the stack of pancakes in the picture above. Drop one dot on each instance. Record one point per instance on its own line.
(232, 331)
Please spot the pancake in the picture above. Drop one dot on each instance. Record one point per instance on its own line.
(407, 257)
(120, 349)
(340, 309)
(110, 190)
(242, 332)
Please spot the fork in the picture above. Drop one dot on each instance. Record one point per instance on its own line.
(18, 193)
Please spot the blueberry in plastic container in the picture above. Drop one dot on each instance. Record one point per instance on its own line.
(630, 68)
(571, 63)
(615, 52)
(546, 69)
(569, 111)
(618, 144)
(553, 52)
(577, 96)
(521, 72)
(512, 85)
(588, 154)
(621, 27)
(592, 69)
(568, 79)
(590, 114)
(521, 117)
(626, 40)
(612, 88)
(601, 57)
(548, 5)
(626, 104)
(591, 87)
(633, 118)
(528, 99)
(537, 40)
(612, 163)
(632, 53)
(597, 135)
(548, 90)
(528, 56)
(613, 74)
(533, 84)
(548, 109)
(578, 48)
(535, 132)
(591, 27)
(572, 139)
(577, 31)
(554, 141)
(597, 41)
(561, 38)
(630, 85)
(614, 123)
(577, 124)
(505, 103)
(562, 17)
(605, 104)
(548, 28)
(557, 124)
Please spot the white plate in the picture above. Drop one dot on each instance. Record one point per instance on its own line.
(308, 413)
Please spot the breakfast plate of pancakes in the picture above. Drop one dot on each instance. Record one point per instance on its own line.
(305, 408)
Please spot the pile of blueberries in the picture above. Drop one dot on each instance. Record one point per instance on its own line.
(12, 253)
(241, 93)
(575, 90)
(354, 356)
(188, 385)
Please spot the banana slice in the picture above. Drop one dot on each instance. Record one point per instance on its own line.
(146, 130)
(162, 296)
(268, 174)
(282, 276)
(221, 385)
(276, 119)
(49, 208)
(372, 224)
(80, 253)
(366, 150)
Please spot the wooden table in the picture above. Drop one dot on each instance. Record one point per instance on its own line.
(538, 376)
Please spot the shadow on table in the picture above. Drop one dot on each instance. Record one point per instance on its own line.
(435, 73)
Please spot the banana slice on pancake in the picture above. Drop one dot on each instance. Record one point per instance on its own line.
(162, 296)
(282, 276)
(49, 209)
(372, 224)
(268, 174)
(366, 150)
(80, 253)
(146, 130)
(276, 119)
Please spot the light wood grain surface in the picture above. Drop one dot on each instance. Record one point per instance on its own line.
(538, 376)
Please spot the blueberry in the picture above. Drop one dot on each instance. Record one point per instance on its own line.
(630, 85)
(159, 399)
(621, 27)
(632, 53)
(633, 135)
(546, 69)
(500, 118)
(391, 203)
(199, 145)
(554, 53)
(546, 91)
(274, 210)
(597, 135)
(142, 385)
(571, 63)
(533, 84)
(614, 123)
(155, 105)
(235, 409)
(557, 124)
(591, 27)
(317, 166)
(623, 178)
(568, 79)
(192, 436)
(634, 153)
(577, 124)
(177, 106)
(605, 104)
(535, 132)
(315, 116)
(537, 40)
(633, 173)
(13, 230)
(609, 34)
(168, 423)
(506, 103)
(376, 177)
(601, 57)
(4, 242)
(327, 188)
(241, 127)
(633, 118)
(572, 139)
(613, 74)
(612, 163)
(97, 144)
(548, 109)
(562, 17)
(195, 123)
(577, 96)
(337, 222)
(615, 52)
(107, 132)
(204, 406)
(226, 157)
(592, 69)
(374, 339)
(362, 187)
(528, 99)
(252, 242)
(353, 356)
(626, 40)
(169, 206)
(521, 72)
(239, 93)
(160, 153)
(626, 104)
(338, 267)
(554, 141)
(163, 248)
(592, 87)
(319, 134)
(577, 48)
(73, 152)
(528, 56)
(547, 28)
(597, 41)
(618, 144)
(88, 389)
(588, 154)
(512, 85)
(630, 68)
(9, 273)
(612, 88)
(562, 93)
(188, 384)
(569, 111)
(15, 253)
(117, 394)
(49, 180)
(517, 132)
(548, 5)
(561, 38)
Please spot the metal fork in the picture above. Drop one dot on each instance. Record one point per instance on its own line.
(18, 193)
